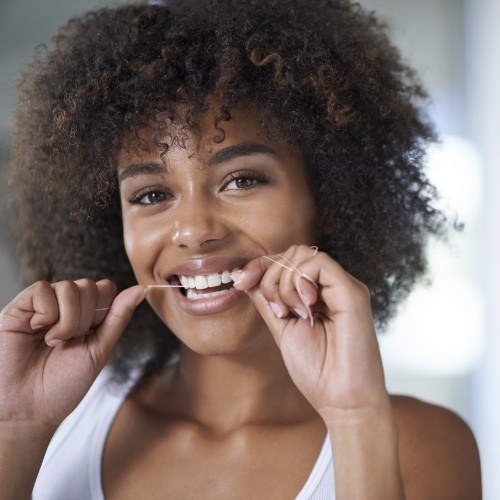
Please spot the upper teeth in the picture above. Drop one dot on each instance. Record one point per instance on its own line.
(202, 282)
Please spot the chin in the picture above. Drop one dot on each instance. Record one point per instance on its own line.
(224, 336)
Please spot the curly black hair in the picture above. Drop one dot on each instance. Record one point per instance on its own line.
(322, 73)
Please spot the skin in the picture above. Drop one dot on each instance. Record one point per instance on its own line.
(257, 386)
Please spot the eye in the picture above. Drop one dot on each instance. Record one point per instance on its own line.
(150, 197)
(244, 180)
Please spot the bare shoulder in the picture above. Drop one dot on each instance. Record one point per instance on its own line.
(438, 452)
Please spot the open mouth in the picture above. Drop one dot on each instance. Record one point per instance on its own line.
(203, 286)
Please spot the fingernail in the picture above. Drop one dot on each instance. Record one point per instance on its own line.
(37, 326)
(236, 276)
(307, 303)
(53, 342)
(300, 312)
(276, 309)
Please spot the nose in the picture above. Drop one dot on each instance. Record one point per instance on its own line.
(197, 224)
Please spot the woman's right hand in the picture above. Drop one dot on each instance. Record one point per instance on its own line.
(54, 341)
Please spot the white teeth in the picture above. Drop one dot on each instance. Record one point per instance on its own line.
(192, 295)
(214, 280)
(203, 282)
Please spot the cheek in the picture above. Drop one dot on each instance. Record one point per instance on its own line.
(284, 222)
(297, 213)
(142, 244)
(131, 239)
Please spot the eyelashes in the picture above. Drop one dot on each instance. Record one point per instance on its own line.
(242, 180)
(150, 196)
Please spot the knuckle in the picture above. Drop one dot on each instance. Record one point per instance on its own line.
(288, 293)
(323, 256)
(268, 288)
(87, 283)
(41, 286)
(87, 287)
(68, 287)
(263, 265)
(108, 285)
(363, 291)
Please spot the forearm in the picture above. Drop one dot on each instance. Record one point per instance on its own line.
(366, 456)
(21, 453)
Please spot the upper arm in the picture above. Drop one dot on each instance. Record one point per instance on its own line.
(438, 453)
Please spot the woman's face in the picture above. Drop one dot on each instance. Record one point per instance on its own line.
(208, 209)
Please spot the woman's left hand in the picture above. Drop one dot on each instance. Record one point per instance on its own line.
(321, 319)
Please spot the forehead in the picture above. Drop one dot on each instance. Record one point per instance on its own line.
(174, 139)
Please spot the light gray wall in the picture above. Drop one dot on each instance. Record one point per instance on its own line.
(483, 112)
(431, 38)
(24, 24)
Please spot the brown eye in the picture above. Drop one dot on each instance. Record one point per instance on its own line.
(244, 180)
(153, 197)
(150, 197)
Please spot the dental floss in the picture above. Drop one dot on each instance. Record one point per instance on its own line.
(147, 286)
(301, 275)
(292, 268)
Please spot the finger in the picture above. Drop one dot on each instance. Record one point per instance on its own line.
(251, 274)
(107, 291)
(275, 324)
(275, 274)
(68, 299)
(44, 303)
(88, 298)
(307, 292)
(288, 288)
(269, 286)
(32, 309)
(107, 334)
(265, 272)
(340, 291)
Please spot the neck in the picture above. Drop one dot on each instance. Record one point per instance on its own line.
(226, 392)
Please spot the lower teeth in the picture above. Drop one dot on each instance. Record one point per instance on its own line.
(193, 295)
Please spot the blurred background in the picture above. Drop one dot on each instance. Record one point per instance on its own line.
(444, 346)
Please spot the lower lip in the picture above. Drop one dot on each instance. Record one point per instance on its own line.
(211, 305)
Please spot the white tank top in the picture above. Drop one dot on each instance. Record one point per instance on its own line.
(71, 468)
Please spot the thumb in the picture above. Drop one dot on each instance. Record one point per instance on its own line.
(275, 324)
(101, 342)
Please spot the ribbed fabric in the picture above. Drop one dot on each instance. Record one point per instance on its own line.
(320, 484)
(71, 469)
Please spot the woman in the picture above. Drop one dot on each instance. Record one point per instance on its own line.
(206, 152)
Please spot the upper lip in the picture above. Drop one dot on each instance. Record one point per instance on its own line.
(206, 265)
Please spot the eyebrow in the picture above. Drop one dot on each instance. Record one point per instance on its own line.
(140, 169)
(241, 149)
(221, 156)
